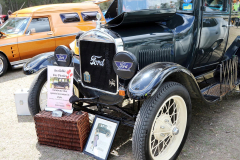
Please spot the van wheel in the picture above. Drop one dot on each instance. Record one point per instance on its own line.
(163, 123)
(3, 65)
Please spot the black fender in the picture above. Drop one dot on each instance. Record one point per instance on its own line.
(39, 62)
(147, 81)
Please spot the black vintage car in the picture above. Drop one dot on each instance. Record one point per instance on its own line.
(62, 83)
(160, 55)
(102, 128)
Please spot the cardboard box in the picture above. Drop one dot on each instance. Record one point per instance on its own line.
(21, 102)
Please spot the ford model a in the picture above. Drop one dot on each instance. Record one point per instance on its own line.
(161, 55)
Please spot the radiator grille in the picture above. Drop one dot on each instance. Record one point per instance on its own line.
(102, 77)
(149, 56)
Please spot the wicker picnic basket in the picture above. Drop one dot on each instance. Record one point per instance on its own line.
(69, 132)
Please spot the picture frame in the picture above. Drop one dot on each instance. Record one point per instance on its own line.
(101, 137)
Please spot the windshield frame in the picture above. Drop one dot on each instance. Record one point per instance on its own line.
(120, 3)
(23, 30)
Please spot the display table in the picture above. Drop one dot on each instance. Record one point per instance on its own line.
(69, 132)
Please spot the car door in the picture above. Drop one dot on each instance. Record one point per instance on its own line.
(214, 34)
(38, 38)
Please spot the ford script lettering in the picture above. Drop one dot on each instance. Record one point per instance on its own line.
(96, 62)
(124, 66)
(61, 57)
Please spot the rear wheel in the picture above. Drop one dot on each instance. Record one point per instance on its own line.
(37, 98)
(162, 124)
(3, 65)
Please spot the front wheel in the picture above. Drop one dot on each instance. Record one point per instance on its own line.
(162, 124)
(37, 98)
(3, 65)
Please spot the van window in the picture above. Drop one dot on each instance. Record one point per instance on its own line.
(70, 17)
(39, 25)
(89, 16)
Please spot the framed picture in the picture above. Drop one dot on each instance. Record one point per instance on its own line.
(101, 137)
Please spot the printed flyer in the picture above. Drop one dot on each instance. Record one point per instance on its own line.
(60, 88)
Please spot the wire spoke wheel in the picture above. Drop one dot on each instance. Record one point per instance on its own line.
(163, 123)
(168, 128)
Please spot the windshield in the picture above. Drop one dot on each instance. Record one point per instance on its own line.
(133, 5)
(14, 25)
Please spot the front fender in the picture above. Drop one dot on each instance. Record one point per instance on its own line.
(147, 81)
(39, 62)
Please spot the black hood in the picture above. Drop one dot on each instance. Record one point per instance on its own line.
(142, 16)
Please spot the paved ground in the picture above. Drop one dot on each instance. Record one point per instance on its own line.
(215, 131)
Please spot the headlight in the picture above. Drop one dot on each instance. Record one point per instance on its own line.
(63, 56)
(125, 64)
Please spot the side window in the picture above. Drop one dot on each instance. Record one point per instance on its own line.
(89, 16)
(209, 22)
(216, 5)
(70, 17)
(39, 25)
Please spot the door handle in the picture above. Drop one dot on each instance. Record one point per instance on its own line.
(50, 33)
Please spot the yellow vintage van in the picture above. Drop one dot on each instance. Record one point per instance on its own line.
(35, 30)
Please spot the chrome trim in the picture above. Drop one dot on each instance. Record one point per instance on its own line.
(65, 35)
(19, 62)
(18, 66)
(99, 35)
(8, 44)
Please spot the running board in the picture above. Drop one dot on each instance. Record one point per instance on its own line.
(228, 80)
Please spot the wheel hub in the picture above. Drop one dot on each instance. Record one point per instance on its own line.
(175, 131)
(164, 128)
(1, 65)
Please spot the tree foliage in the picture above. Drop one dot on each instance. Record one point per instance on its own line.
(15, 5)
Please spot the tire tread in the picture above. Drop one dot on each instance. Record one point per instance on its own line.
(34, 92)
(141, 124)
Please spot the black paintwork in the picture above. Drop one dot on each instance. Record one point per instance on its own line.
(191, 43)
(142, 16)
(39, 62)
(149, 79)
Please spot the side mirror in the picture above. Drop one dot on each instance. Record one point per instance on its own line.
(32, 30)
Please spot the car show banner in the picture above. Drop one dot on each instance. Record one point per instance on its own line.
(60, 88)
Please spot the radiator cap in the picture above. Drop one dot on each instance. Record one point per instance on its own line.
(63, 56)
(125, 64)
